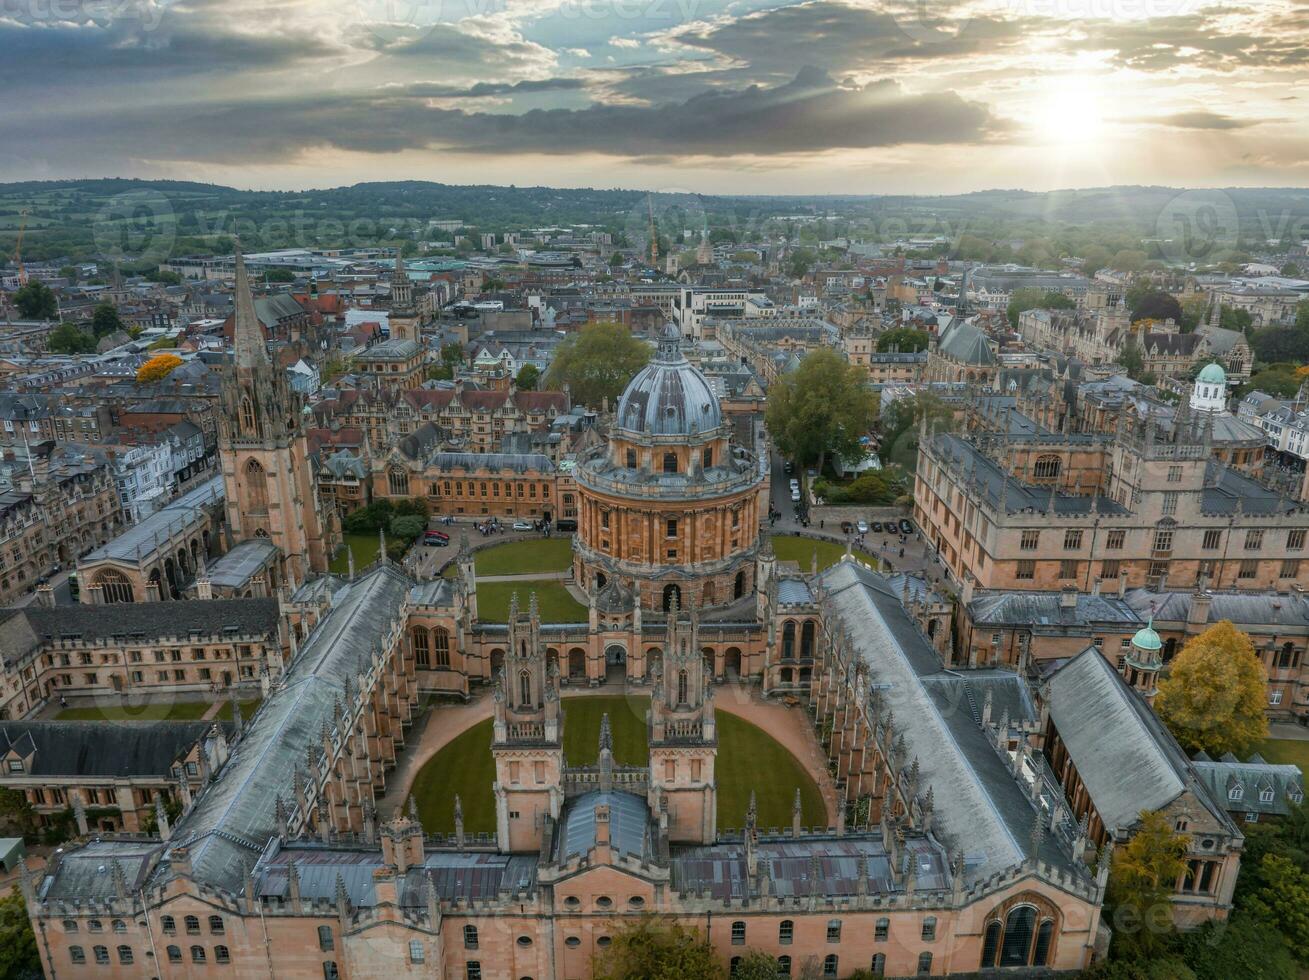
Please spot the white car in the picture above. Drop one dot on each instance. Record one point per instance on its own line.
(862, 526)
(523, 526)
(795, 484)
(795, 495)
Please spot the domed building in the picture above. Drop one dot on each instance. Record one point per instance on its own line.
(670, 505)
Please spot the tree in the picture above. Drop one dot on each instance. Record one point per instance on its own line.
(1141, 882)
(406, 527)
(1215, 692)
(1131, 359)
(1284, 902)
(157, 368)
(16, 814)
(800, 262)
(1194, 307)
(19, 958)
(652, 949)
(67, 339)
(823, 406)
(1128, 260)
(105, 320)
(906, 340)
(756, 965)
(529, 375)
(1302, 315)
(1281, 380)
(1157, 305)
(1234, 318)
(597, 363)
(1242, 947)
(279, 275)
(1273, 344)
(36, 301)
(899, 427)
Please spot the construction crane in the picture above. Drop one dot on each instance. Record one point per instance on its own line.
(654, 235)
(18, 246)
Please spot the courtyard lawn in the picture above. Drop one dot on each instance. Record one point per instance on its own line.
(1285, 751)
(248, 709)
(748, 759)
(364, 547)
(801, 551)
(527, 557)
(556, 603)
(152, 711)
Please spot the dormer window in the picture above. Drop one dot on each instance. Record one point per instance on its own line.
(15, 765)
(1265, 796)
(1236, 792)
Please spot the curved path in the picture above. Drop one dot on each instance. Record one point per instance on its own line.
(443, 723)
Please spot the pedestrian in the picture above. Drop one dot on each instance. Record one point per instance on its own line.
(901, 552)
(822, 523)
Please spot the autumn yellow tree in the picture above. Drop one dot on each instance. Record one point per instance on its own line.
(157, 368)
(1215, 693)
(1142, 877)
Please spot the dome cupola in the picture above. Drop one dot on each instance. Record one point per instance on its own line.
(669, 396)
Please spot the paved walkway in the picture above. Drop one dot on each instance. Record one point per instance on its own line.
(1289, 730)
(527, 577)
(444, 722)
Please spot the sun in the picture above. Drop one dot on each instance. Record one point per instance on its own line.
(1069, 113)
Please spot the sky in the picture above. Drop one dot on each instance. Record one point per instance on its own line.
(711, 96)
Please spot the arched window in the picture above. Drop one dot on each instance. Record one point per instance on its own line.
(470, 937)
(670, 462)
(882, 931)
(707, 595)
(216, 925)
(125, 954)
(1047, 467)
(672, 593)
(192, 925)
(738, 587)
(441, 646)
(1044, 939)
(784, 966)
(807, 639)
(929, 929)
(247, 416)
(101, 955)
(325, 941)
(734, 966)
(473, 969)
(397, 482)
(524, 691)
(222, 955)
(785, 932)
(256, 487)
(197, 954)
(174, 954)
(77, 955)
(924, 964)
(422, 647)
(829, 965)
(991, 944)
(114, 586)
(1019, 926)
(169, 925)
(681, 687)
(738, 933)
(788, 640)
(879, 964)
(119, 926)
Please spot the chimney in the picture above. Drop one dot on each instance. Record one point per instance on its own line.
(1122, 582)
(602, 850)
(1068, 600)
(1198, 614)
(45, 595)
(966, 596)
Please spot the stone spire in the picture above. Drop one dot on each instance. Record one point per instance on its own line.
(247, 334)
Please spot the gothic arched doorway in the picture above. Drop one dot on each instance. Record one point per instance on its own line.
(576, 663)
(615, 660)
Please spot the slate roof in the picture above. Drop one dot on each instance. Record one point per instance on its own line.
(1253, 786)
(235, 569)
(153, 620)
(1046, 609)
(1126, 758)
(1247, 609)
(139, 539)
(980, 807)
(1225, 488)
(232, 820)
(94, 748)
(85, 874)
(629, 825)
(491, 462)
(967, 343)
(989, 479)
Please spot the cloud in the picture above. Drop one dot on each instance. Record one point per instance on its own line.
(807, 115)
(624, 42)
(1200, 119)
(481, 90)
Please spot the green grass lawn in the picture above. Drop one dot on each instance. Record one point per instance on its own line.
(248, 709)
(556, 603)
(528, 557)
(801, 551)
(745, 754)
(1285, 751)
(153, 711)
(364, 547)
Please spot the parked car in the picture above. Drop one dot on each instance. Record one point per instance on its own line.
(523, 526)
(795, 495)
(436, 539)
(788, 466)
(846, 527)
(906, 526)
(566, 524)
(862, 527)
(877, 527)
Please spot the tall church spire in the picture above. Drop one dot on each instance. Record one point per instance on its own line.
(247, 335)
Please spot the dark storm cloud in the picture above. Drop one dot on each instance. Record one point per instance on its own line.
(807, 115)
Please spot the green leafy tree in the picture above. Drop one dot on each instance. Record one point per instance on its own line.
(1284, 902)
(1128, 260)
(105, 320)
(906, 340)
(1131, 360)
(1282, 380)
(1302, 315)
(19, 958)
(1234, 318)
(1245, 946)
(1194, 307)
(821, 407)
(36, 301)
(1274, 344)
(529, 376)
(597, 363)
(67, 339)
(1157, 305)
(799, 262)
(1214, 696)
(756, 965)
(1141, 881)
(16, 814)
(653, 949)
(279, 275)
(899, 427)
(406, 527)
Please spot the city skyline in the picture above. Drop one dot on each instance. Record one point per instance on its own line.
(711, 97)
